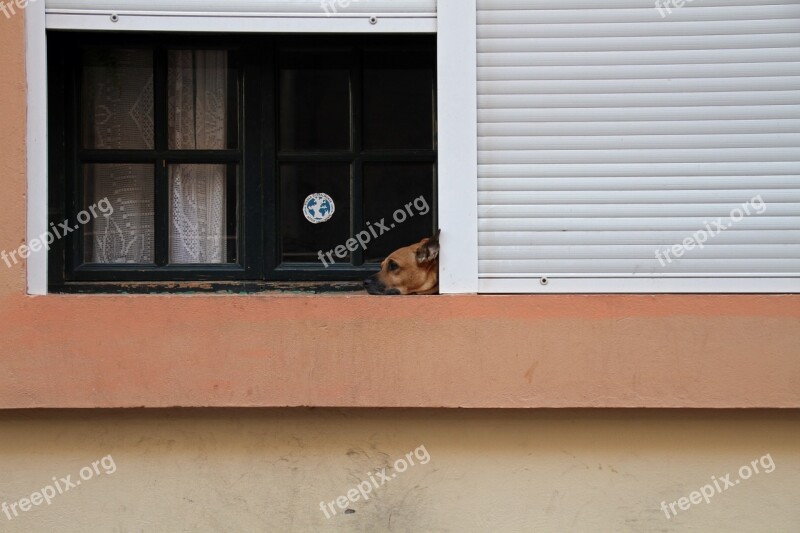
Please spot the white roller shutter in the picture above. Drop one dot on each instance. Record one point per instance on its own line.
(244, 15)
(607, 132)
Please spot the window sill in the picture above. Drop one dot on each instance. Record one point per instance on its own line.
(218, 287)
(285, 350)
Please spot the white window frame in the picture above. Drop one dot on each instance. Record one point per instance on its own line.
(456, 27)
(457, 113)
(106, 20)
(37, 167)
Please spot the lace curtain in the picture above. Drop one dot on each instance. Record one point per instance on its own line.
(118, 91)
(197, 118)
(118, 115)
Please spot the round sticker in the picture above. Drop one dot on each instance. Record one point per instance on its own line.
(318, 208)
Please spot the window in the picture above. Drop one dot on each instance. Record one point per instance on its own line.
(204, 152)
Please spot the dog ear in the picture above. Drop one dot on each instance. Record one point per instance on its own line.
(429, 249)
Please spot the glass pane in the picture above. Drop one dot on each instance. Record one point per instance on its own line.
(202, 224)
(198, 99)
(302, 240)
(126, 235)
(314, 109)
(399, 196)
(398, 103)
(117, 99)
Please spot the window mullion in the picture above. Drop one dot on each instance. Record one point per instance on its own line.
(357, 184)
(75, 181)
(264, 98)
(160, 123)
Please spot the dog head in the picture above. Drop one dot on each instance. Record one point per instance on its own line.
(410, 270)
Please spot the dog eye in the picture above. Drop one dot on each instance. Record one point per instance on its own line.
(392, 266)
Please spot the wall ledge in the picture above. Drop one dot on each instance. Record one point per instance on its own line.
(264, 350)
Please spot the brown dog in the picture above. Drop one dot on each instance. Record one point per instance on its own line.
(410, 270)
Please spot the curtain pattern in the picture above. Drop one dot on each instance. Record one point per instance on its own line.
(197, 119)
(118, 89)
(118, 114)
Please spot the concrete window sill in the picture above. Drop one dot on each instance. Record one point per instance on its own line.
(270, 350)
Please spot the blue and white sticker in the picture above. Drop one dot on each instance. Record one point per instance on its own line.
(318, 208)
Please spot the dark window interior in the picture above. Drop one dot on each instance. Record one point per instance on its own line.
(207, 148)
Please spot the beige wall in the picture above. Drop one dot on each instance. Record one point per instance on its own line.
(499, 471)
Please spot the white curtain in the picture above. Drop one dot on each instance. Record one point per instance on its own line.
(197, 121)
(118, 89)
(118, 115)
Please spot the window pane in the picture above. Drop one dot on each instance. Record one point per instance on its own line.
(198, 86)
(202, 228)
(126, 236)
(398, 103)
(388, 189)
(117, 96)
(302, 240)
(314, 109)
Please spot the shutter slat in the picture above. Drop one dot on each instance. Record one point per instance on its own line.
(597, 13)
(614, 72)
(535, 6)
(579, 196)
(672, 127)
(526, 144)
(621, 99)
(698, 155)
(672, 168)
(659, 184)
(688, 225)
(534, 239)
(641, 29)
(674, 85)
(652, 57)
(639, 43)
(711, 211)
(640, 114)
(647, 252)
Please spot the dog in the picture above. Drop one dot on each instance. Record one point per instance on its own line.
(410, 270)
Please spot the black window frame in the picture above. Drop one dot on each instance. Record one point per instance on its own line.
(254, 66)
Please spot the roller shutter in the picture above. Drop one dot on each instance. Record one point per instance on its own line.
(608, 132)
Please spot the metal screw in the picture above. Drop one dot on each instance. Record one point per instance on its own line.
(544, 281)
(114, 17)
(373, 20)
